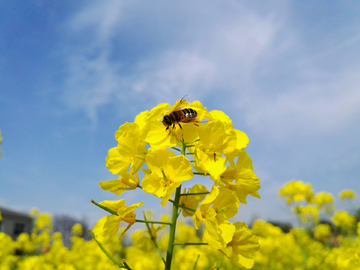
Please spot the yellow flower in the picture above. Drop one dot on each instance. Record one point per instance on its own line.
(322, 231)
(307, 213)
(107, 227)
(43, 220)
(241, 138)
(153, 115)
(126, 181)
(158, 136)
(221, 116)
(218, 231)
(246, 182)
(192, 201)
(167, 173)
(141, 240)
(296, 191)
(347, 194)
(343, 220)
(130, 150)
(324, 200)
(265, 229)
(226, 204)
(77, 229)
(215, 140)
(240, 250)
(186, 233)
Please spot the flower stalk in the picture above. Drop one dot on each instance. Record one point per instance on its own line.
(175, 214)
(124, 265)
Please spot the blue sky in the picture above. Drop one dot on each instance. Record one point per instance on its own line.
(71, 72)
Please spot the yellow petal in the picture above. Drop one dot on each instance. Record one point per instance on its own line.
(178, 169)
(106, 228)
(157, 136)
(227, 231)
(156, 160)
(115, 162)
(153, 184)
(241, 139)
(114, 205)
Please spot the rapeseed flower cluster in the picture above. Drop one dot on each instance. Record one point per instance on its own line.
(304, 203)
(347, 194)
(170, 153)
(329, 242)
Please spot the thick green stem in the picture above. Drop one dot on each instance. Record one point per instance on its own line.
(174, 217)
(175, 214)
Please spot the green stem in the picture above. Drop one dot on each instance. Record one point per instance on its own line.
(174, 217)
(137, 220)
(153, 222)
(108, 254)
(183, 206)
(104, 207)
(152, 237)
(175, 214)
(199, 193)
(196, 261)
(191, 244)
(200, 173)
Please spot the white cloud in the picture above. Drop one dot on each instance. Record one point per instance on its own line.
(90, 83)
(174, 73)
(220, 49)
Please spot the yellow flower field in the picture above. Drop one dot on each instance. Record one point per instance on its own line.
(312, 245)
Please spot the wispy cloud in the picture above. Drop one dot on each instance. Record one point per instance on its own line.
(91, 78)
(312, 108)
(218, 49)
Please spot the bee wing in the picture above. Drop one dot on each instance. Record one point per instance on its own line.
(186, 98)
(181, 102)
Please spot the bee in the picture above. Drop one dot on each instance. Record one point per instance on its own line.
(180, 115)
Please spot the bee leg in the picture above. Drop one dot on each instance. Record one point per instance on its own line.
(182, 131)
(215, 157)
(167, 129)
(172, 127)
(196, 124)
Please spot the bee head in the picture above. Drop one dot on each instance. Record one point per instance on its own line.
(167, 121)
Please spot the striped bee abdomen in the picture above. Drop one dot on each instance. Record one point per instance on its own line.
(189, 113)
